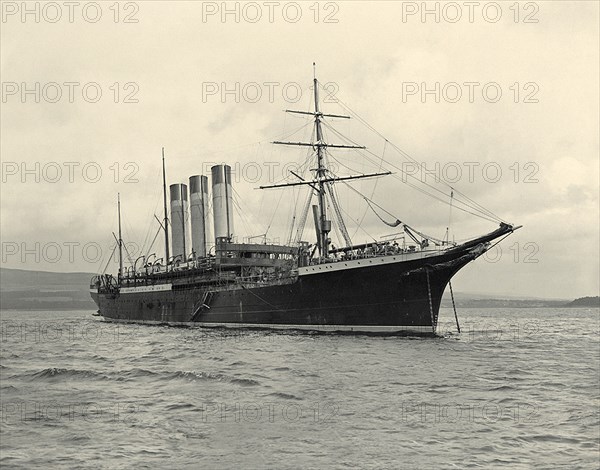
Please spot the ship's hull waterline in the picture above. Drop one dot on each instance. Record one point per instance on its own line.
(385, 295)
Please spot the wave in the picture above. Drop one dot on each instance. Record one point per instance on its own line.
(60, 373)
(552, 438)
(132, 374)
(56, 373)
(192, 375)
(181, 406)
(286, 396)
(245, 382)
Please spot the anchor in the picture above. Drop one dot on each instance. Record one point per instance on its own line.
(204, 305)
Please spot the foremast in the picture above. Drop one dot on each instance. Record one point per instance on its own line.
(323, 175)
(324, 226)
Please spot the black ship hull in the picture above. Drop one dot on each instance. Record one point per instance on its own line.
(390, 294)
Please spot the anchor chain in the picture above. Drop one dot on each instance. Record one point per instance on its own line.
(454, 306)
(430, 301)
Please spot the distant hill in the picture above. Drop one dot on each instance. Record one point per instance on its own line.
(21, 279)
(470, 300)
(476, 302)
(585, 302)
(41, 290)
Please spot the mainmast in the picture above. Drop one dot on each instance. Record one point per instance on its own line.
(166, 220)
(120, 238)
(322, 177)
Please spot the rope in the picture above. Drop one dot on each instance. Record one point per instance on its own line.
(153, 241)
(395, 224)
(483, 212)
(340, 221)
(304, 216)
(454, 306)
(449, 218)
(109, 260)
(398, 222)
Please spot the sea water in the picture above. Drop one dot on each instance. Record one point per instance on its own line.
(517, 388)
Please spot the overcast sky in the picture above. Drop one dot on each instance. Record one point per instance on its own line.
(211, 88)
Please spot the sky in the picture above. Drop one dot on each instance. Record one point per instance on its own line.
(500, 100)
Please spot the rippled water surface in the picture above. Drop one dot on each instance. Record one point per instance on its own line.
(518, 388)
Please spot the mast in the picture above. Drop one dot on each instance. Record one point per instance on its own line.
(165, 207)
(322, 177)
(120, 238)
(324, 224)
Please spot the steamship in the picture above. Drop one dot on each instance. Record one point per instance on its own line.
(211, 279)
